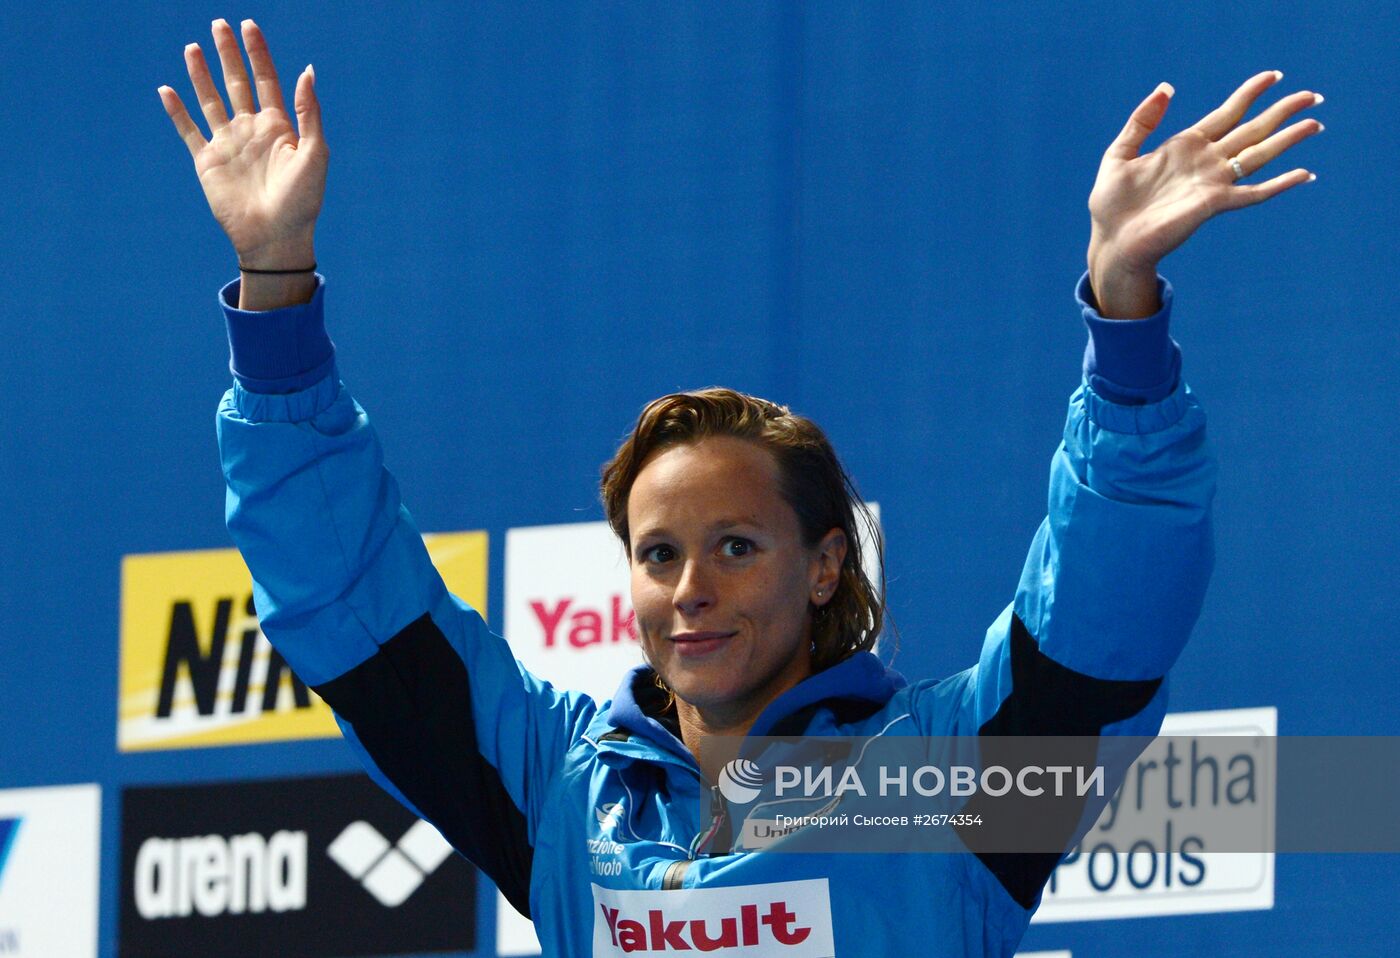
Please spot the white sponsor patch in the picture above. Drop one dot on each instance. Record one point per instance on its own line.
(756, 834)
(568, 610)
(48, 871)
(790, 919)
(1118, 875)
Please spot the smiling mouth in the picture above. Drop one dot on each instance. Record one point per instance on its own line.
(700, 643)
(700, 636)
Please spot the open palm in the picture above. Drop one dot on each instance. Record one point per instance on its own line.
(1145, 206)
(263, 181)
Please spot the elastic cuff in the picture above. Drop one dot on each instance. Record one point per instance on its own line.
(1136, 418)
(278, 350)
(1129, 361)
(301, 406)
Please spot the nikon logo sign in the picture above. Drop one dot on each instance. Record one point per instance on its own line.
(196, 668)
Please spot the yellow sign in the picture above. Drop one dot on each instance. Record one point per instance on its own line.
(196, 668)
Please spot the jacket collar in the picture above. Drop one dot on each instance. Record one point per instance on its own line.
(859, 685)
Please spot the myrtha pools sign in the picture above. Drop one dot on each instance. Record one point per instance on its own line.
(1120, 871)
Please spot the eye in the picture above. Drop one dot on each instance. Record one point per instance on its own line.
(744, 546)
(661, 553)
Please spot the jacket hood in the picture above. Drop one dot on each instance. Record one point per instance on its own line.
(852, 688)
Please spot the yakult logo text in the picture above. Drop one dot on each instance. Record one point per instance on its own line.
(568, 609)
(782, 918)
(564, 622)
(659, 933)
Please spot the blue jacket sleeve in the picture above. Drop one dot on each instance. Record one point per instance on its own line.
(434, 704)
(1116, 574)
(1114, 579)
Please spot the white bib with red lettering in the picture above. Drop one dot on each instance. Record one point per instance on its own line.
(777, 920)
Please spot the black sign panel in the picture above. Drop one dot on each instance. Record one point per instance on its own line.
(298, 868)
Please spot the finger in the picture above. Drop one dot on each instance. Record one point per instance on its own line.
(1241, 196)
(1223, 118)
(1265, 123)
(1140, 125)
(210, 103)
(308, 106)
(264, 73)
(175, 109)
(240, 91)
(1259, 155)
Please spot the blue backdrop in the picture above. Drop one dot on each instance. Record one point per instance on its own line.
(539, 216)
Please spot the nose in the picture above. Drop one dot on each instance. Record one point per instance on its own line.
(695, 590)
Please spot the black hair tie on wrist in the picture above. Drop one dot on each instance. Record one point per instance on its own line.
(247, 269)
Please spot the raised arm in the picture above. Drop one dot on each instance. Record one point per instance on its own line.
(1116, 574)
(434, 705)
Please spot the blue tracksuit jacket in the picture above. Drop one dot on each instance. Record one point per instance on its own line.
(586, 814)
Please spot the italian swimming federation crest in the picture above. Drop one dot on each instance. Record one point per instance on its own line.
(609, 814)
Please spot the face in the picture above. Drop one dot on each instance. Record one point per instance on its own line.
(721, 582)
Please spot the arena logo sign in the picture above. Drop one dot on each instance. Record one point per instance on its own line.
(296, 866)
(389, 872)
(196, 668)
(214, 875)
(1121, 871)
(49, 841)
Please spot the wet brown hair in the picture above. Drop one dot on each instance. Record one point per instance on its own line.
(812, 481)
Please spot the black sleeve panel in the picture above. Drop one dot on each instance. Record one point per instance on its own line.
(1047, 699)
(410, 705)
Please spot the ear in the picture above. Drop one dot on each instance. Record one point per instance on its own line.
(825, 575)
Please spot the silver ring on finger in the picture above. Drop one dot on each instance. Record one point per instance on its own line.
(1235, 165)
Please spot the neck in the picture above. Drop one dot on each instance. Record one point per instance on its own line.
(711, 732)
(704, 730)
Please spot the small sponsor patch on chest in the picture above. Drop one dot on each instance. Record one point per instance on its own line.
(788, 919)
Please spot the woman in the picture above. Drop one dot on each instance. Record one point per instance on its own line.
(753, 612)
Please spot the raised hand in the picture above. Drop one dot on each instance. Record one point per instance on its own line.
(263, 181)
(1143, 207)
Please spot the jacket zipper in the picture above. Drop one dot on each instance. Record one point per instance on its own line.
(675, 874)
(716, 818)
